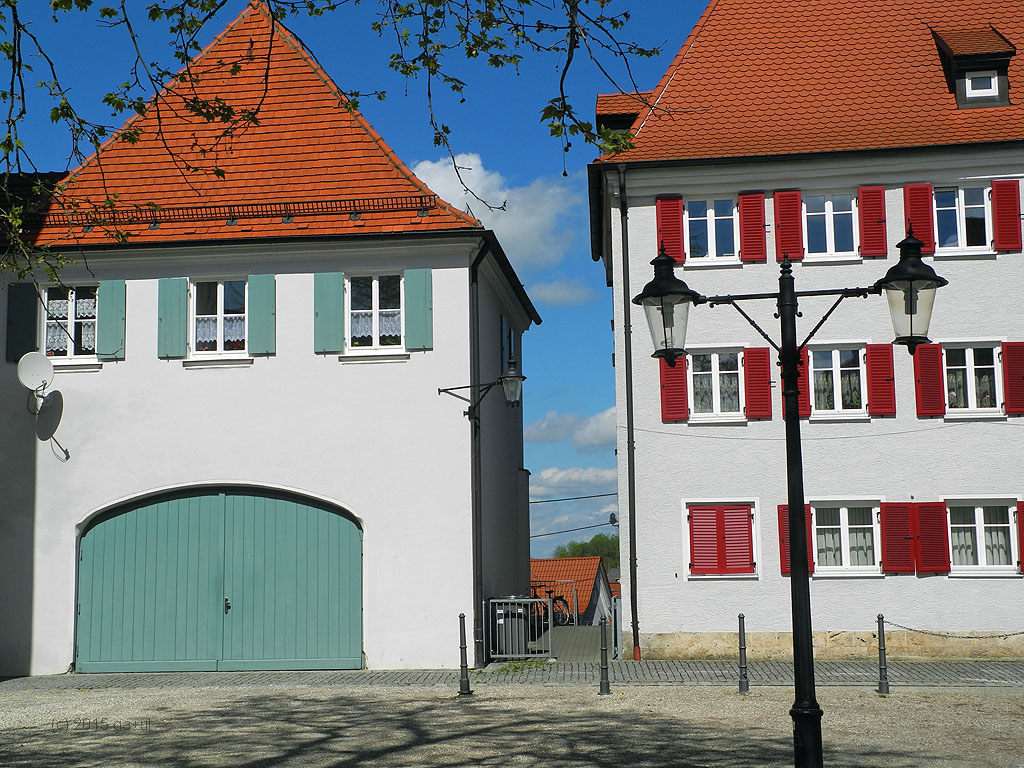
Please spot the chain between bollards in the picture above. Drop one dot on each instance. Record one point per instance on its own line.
(605, 686)
(744, 682)
(883, 669)
(464, 689)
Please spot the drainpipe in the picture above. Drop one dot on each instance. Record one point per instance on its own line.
(627, 350)
(479, 657)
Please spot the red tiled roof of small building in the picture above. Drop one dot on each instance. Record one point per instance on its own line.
(555, 572)
(622, 103)
(312, 158)
(831, 75)
(969, 42)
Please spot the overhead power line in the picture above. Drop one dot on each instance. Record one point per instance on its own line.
(570, 530)
(574, 498)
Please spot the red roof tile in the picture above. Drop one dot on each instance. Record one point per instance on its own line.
(555, 573)
(622, 103)
(311, 157)
(824, 75)
(967, 42)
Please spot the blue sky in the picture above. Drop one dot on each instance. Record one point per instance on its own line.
(568, 402)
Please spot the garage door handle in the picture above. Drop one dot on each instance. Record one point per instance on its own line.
(227, 605)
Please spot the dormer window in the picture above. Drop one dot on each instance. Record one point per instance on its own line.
(976, 61)
(978, 84)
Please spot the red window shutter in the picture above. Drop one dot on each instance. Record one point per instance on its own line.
(737, 551)
(897, 538)
(881, 380)
(1006, 215)
(931, 393)
(871, 211)
(670, 226)
(803, 389)
(784, 556)
(931, 544)
(789, 230)
(704, 540)
(917, 210)
(1013, 377)
(673, 391)
(753, 241)
(757, 382)
(1020, 536)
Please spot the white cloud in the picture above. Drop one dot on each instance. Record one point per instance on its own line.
(575, 481)
(562, 293)
(533, 229)
(596, 432)
(552, 428)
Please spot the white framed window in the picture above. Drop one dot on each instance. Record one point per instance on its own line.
(716, 384)
(973, 381)
(962, 217)
(981, 83)
(712, 229)
(218, 316)
(374, 312)
(981, 535)
(839, 381)
(69, 322)
(829, 224)
(846, 536)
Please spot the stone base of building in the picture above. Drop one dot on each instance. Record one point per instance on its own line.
(899, 644)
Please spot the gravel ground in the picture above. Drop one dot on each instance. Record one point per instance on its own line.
(529, 725)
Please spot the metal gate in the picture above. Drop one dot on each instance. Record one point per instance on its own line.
(520, 628)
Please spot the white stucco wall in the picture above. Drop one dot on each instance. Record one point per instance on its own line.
(372, 436)
(885, 459)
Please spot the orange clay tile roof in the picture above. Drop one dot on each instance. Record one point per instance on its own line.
(798, 76)
(621, 103)
(310, 158)
(554, 573)
(968, 42)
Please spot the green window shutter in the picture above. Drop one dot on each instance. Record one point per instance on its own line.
(262, 315)
(22, 320)
(172, 312)
(110, 302)
(328, 312)
(419, 309)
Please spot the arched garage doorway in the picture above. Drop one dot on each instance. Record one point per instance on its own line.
(220, 579)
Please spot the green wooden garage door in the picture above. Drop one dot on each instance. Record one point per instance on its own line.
(226, 580)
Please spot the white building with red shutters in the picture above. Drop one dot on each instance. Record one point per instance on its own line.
(773, 136)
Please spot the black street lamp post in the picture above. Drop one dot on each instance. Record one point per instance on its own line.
(910, 288)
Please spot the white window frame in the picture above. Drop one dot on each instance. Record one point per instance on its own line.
(830, 227)
(844, 536)
(837, 390)
(979, 503)
(961, 218)
(710, 220)
(972, 395)
(716, 414)
(976, 93)
(193, 298)
(68, 323)
(375, 348)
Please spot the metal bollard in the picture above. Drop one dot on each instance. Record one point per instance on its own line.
(883, 670)
(744, 682)
(464, 689)
(605, 686)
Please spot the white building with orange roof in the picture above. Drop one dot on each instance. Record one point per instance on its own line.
(261, 471)
(822, 132)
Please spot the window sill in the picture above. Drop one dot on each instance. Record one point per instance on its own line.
(218, 362)
(723, 577)
(717, 418)
(964, 414)
(83, 366)
(987, 572)
(965, 253)
(833, 258)
(840, 416)
(374, 357)
(706, 263)
(844, 573)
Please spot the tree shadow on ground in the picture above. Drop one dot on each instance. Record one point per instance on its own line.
(419, 728)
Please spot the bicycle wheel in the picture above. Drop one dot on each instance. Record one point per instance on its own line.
(560, 609)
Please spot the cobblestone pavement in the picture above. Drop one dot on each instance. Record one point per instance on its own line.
(710, 672)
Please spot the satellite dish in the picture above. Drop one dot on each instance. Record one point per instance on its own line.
(48, 417)
(35, 371)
